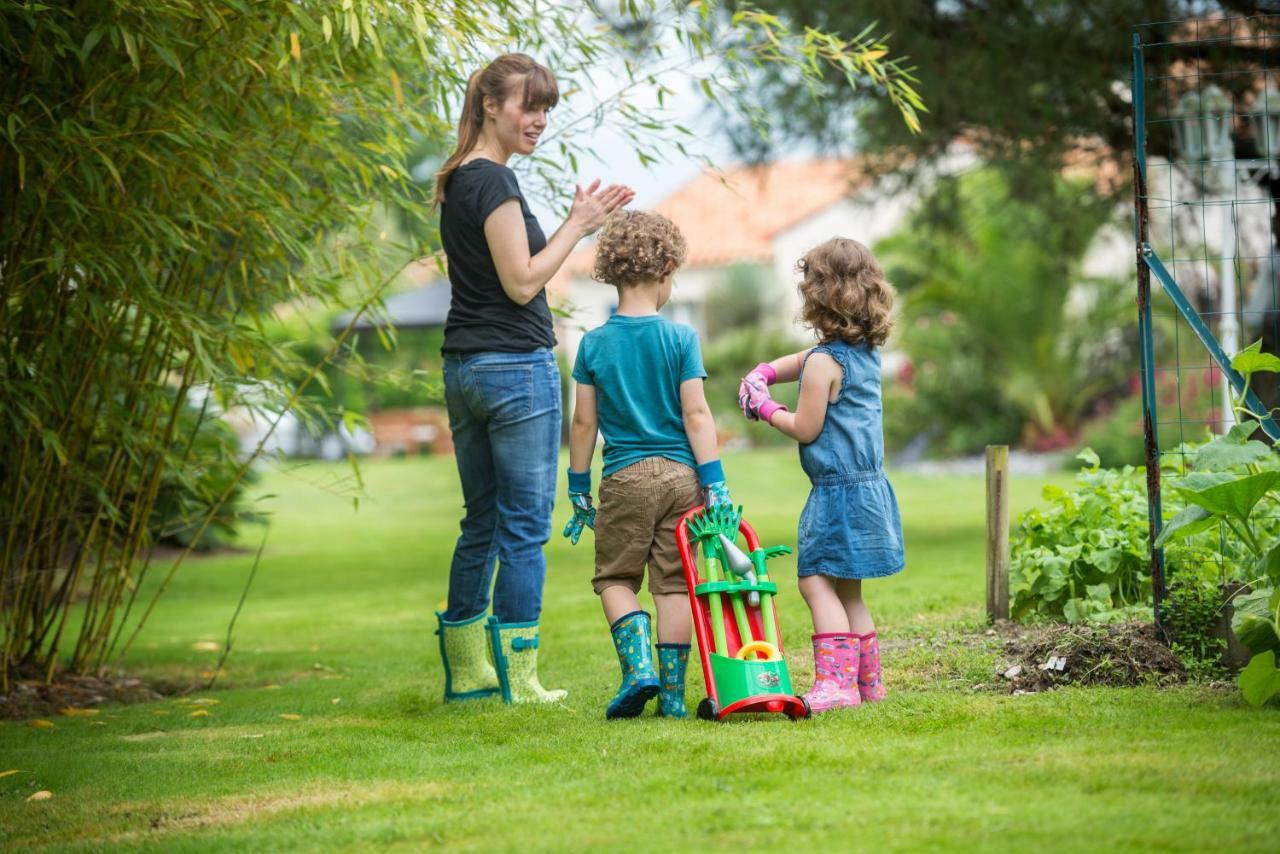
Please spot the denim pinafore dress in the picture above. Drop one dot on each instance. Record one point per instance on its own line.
(850, 527)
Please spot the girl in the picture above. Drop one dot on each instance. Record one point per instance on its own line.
(850, 528)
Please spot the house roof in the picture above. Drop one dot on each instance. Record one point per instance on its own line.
(421, 308)
(732, 217)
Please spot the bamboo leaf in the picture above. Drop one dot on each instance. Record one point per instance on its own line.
(395, 87)
(131, 48)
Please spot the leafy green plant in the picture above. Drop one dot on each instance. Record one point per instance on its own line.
(1232, 478)
(1084, 557)
(1257, 626)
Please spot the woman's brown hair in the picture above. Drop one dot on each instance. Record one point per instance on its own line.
(498, 80)
(845, 294)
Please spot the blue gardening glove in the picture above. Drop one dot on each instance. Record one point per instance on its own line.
(714, 489)
(584, 515)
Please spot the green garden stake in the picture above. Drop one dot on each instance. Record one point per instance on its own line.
(733, 560)
(768, 618)
(712, 573)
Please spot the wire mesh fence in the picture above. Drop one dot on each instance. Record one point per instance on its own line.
(1206, 96)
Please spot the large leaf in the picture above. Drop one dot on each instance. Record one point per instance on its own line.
(1252, 360)
(1269, 565)
(1232, 449)
(1256, 633)
(1201, 480)
(1090, 458)
(1078, 610)
(1100, 593)
(1234, 497)
(1191, 519)
(1260, 681)
(1254, 620)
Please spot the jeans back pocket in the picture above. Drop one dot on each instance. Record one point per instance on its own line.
(506, 391)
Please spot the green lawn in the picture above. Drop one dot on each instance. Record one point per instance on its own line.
(338, 630)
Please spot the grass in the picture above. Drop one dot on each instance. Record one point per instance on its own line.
(338, 630)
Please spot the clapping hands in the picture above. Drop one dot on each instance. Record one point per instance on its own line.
(592, 206)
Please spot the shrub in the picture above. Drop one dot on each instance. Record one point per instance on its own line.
(1190, 614)
(205, 467)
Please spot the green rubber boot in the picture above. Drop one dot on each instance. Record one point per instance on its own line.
(468, 674)
(515, 654)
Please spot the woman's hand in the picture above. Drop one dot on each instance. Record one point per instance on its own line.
(592, 206)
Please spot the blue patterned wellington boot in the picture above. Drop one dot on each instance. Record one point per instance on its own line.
(673, 659)
(639, 680)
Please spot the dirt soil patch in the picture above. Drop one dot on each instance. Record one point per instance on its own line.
(32, 698)
(1123, 655)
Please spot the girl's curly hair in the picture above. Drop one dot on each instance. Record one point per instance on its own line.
(637, 246)
(845, 294)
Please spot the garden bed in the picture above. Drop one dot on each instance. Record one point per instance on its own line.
(67, 694)
(1119, 655)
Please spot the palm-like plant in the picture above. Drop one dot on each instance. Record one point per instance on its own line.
(996, 304)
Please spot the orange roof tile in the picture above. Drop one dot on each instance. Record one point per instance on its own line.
(735, 219)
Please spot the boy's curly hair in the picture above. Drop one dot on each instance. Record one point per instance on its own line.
(845, 294)
(637, 246)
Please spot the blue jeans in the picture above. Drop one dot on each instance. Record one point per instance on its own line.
(504, 411)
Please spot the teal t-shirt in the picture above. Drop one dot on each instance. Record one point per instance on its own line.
(637, 365)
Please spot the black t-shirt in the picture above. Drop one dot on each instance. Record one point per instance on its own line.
(481, 315)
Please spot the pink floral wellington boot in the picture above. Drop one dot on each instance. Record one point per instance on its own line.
(835, 667)
(870, 684)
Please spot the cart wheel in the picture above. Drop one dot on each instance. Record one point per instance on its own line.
(707, 709)
(801, 716)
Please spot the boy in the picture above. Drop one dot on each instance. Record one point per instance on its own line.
(640, 383)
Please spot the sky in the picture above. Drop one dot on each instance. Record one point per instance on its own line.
(612, 157)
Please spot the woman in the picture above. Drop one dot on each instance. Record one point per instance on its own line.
(502, 385)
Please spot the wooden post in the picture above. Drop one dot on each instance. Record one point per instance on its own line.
(997, 532)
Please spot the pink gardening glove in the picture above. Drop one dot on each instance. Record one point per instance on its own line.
(754, 389)
(767, 409)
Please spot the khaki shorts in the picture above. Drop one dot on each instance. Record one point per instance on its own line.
(640, 506)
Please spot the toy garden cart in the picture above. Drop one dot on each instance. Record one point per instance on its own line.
(734, 616)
